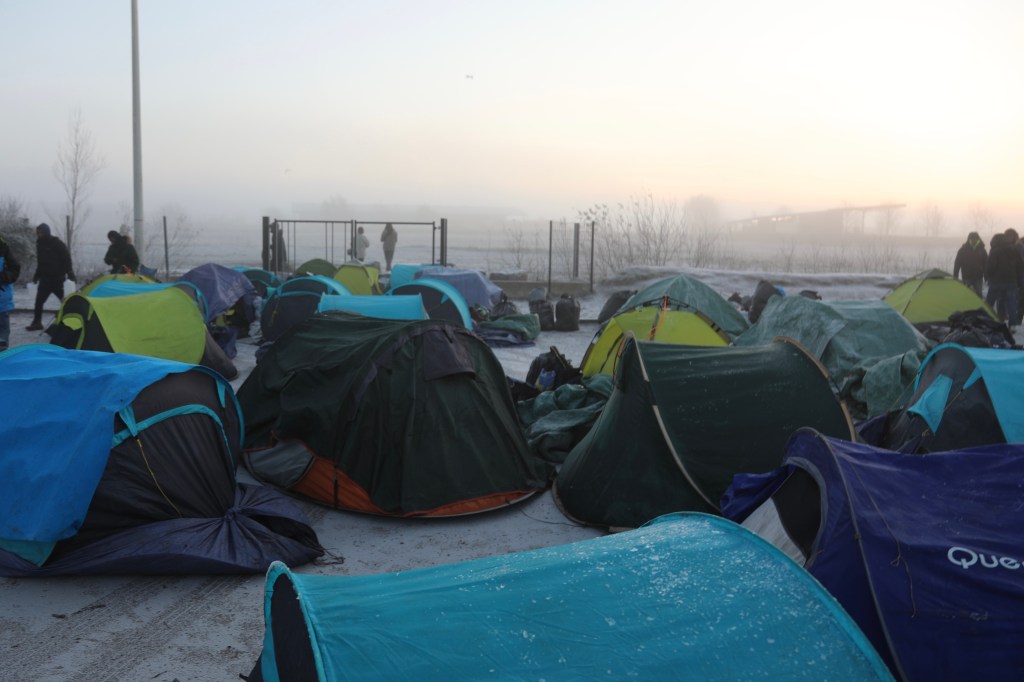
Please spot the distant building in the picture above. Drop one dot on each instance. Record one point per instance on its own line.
(848, 220)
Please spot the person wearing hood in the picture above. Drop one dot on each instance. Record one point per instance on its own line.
(121, 255)
(9, 272)
(1003, 270)
(970, 262)
(53, 265)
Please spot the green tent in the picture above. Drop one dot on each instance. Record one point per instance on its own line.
(930, 297)
(871, 352)
(316, 266)
(162, 323)
(359, 279)
(682, 420)
(391, 417)
(677, 310)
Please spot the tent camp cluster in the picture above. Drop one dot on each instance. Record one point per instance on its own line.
(830, 487)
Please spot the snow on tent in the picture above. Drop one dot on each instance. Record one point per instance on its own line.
(682, 420)
(676, 310)
(441, 300)
(475, 288)
(931, 297)
(123, 278)
(294, 301)
(870, 351)
(163, 323)
(359, 279)
(142, 481)
(385, 307)
(688, 596)
(262, 280)
(923, 551)
(962, 397)
(316, 266)
(391, 417)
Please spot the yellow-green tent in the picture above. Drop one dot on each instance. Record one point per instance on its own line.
(359, 279)
(930, 297)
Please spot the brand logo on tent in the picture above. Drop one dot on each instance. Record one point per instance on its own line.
(965, 558)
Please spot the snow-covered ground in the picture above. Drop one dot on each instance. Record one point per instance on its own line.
(210, 628)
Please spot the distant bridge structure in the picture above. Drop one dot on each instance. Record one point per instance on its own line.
(843, 220)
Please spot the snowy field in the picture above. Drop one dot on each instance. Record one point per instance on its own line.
(210, 628)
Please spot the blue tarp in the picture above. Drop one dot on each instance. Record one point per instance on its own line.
(59, 409)
(686, 596)
(474, 287)
(924, 551)
(223, 287)
(384, 307)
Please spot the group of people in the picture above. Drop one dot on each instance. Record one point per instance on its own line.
(53, 267)
(1001, 266)
(388, 238)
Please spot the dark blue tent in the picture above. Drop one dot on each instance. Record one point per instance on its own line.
(224, 288)
(262, 280)
(294, 301)
(116, 463)
(441, 300)
(688, 596)
(924, 551)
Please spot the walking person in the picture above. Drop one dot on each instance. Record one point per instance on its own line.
(9, 272)
(121, 255)
(53, 265)
(1003, 270)
(970, 262)
(389, 238)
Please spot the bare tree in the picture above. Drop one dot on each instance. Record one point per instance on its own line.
(76, 169)
(980, 219)
(933, 220)
(889, 219)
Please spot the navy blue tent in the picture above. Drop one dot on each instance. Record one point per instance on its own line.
(142, 480)
(224, 288)
(262, 280)
(441, 300)
(294, 301)
(924, 551)
(688, 596)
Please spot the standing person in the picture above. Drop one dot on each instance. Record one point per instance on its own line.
(121, 255)
(1013, 239)
(9, 271)
(1002, 271)
(362, 243)
(389, 237)
(970, 262)
(53, 264)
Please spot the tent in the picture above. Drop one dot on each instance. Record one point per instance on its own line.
(143, 481)
(385, 307)
(293, 301)
(359, 279)
(121, 288)
(682, 420)
(963, 397)
(123, 278)
(262, 280)
(475, 288)
(316, 266)
(224, 290)
(164, 323)
(930, 297)
(441, 300)
(391, 417)
(924, 552)
(676, 310)
(871, 351)
(686, 597)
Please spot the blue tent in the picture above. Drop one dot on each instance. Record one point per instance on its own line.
(293, 301)
(686, 596)
(117, 288)
(383, 307)
(441, 300)
(143, 481)
(262, 280)
(923, 551)
(474, 287)
(224, 288)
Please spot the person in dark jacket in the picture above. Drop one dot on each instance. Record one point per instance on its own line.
(121, 255)
(1013, 239)
(970, 262)
(53, 265)
(9, 272)
(1003, 271)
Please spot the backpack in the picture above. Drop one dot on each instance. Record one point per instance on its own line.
(550, 370)
(546, 312)
(567, 314)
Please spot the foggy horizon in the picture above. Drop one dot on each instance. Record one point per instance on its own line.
(539, 109)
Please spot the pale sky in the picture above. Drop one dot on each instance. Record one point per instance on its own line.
(549, 106)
